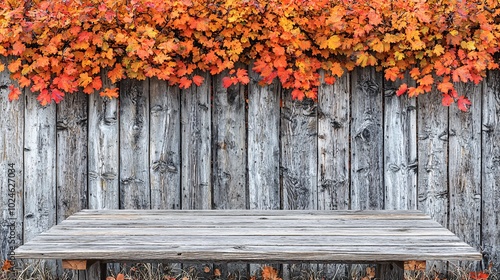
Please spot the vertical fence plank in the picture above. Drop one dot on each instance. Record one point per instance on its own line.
(40, 201)
(72, 151)
(400, 149)
(103, 163)
(263, 145)
(367, 190)
(334, 112)
(11, 168)
(432, 161)
(229, 156)
(165, 139)
(195, 146)
(134, 145)
(229, 136)
(299, 157)
(490, 238)
(464, 176)
(298, 153)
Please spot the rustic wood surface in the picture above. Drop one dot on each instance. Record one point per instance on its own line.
(242, 235)
(490, 192)
(11, 152)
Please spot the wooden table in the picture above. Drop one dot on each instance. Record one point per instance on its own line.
(404, 237)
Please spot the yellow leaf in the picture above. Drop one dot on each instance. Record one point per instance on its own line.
(334, 42)
(438, 50)
(468, 45)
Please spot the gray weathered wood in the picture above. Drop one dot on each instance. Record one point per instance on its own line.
(333, 149)
(165, 143)
(134, 144)
(433, 194)
(400, 148)
(298, 153)
(103, 162)
(490, 233)
(39, 167)
(464, 178)
(229, 146)
(333, 154)
(72, 139)
(213, 238)
(11, 168)
(433, 157)
(367, 186)
(196, 136)
(263, 145)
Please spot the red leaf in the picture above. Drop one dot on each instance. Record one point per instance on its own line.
(479, 275)
(44, 97)
(110, 93)
(447, 100)
(298, 94)
(7, 265)
(57, 95)
(227, 82)
(402, 89)
(198, 80)
(463, 103)
(14, 93)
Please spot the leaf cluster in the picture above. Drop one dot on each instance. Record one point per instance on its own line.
(61, 46)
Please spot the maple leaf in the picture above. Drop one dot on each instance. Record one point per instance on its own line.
(184, 83)
(110, 93)
(479, 275)
(7, 265)
(44, 97)
(56, 95)
(402, 89)
(18, 48)
(242, 76)
(269, 273)
(116, 74)
(14, 93)
(392, 73)
(198, 80)
(298, 94)
(463, 103)
(14, 66)
(227, 82)
(447, 100)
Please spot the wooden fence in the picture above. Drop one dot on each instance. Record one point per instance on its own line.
(358, 147)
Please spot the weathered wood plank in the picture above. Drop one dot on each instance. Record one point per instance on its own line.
(367, 187)
(433, 157)
(433, 190)
(229, 136)
(196, 136)
(11, 168)
(72, 139)
(165, 139)
(299, 158)
(400, 148)
(490, 233)
(263, 145)
(39, 167)
(333, 147)
(464, 176)
(103, 161)
(134, 144)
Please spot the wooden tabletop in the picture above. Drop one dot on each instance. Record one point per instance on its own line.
(248, 235)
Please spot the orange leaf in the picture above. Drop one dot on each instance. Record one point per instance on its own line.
(447, 100)
(227, 82)
(426, 80)
(7, 265)
(120, 276)
(242, 75)
(14, 66)
(116, 74)
(463, 103)
(110, 93)
(479, 275)
(44, 97)
(269, 273)
(330, 80)
(391, 74)
(298, 94)
(198, 80)
(402, 89)
(14, 93)
(18, 48)
(184, 82)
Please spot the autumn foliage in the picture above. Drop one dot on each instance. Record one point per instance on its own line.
(61, 46)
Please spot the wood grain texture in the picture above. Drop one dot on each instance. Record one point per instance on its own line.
(367, 187)
(464, 179)
(72, 139)
(165, 143)
(214, 238)
(229, 146)
(196, 171)
(39, 167)
(298, 164)
(433, 157)
(333, 149)
(400, 148)
(490, 234)
(11, 157)
(263, 145)
(103, 162)
(134, 145)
